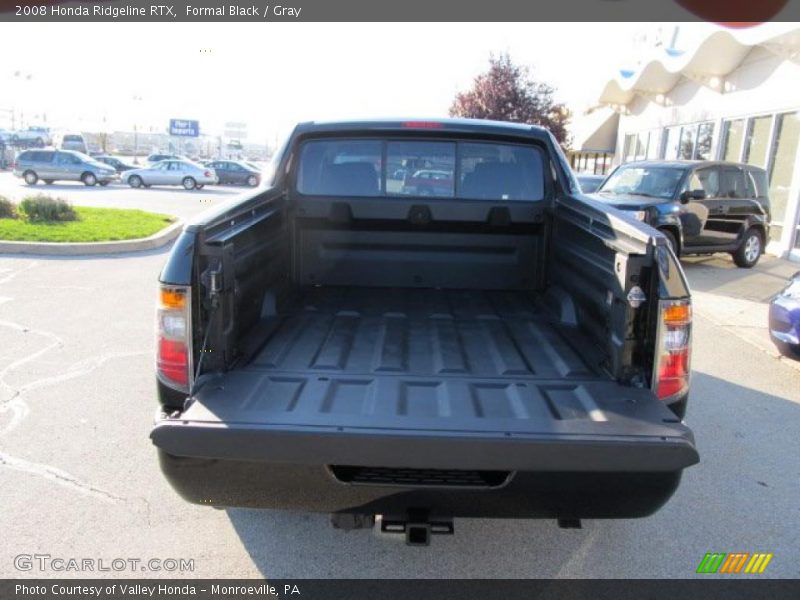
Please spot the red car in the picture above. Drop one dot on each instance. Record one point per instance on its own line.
(429, 182)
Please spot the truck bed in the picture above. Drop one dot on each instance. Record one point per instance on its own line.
(456, 358)
(392, 362)
(425, 379)
(436, 335)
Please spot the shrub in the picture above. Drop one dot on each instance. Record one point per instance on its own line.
(42, 208)
(7, 209)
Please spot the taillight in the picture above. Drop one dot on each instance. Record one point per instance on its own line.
(671, 376)
(207, 174)
(174, 333)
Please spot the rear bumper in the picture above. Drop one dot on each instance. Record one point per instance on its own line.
(544, 475)
(313, 488)
(672, 450)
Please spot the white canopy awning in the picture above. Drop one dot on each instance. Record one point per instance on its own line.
(717, 56)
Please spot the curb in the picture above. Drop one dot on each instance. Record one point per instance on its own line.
(156, 240)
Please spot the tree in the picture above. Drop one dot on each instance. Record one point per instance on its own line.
(507, 92)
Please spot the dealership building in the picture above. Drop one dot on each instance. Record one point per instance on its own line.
(727, 94)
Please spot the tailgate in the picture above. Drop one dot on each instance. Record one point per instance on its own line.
(397, 422)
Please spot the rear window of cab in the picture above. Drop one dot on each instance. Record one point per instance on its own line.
(439, 169)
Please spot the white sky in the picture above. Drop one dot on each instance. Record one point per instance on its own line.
(272, 75)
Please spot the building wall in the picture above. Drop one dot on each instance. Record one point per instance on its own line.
(764, 83)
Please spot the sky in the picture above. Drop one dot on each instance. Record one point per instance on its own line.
(110, 76)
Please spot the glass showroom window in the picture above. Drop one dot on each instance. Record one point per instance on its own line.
(688, 138)
(705, 133)
(641, 145)
(672, 143)
(733, 133)
(757, 141)
(689, 142)
(653, 144)
(629, 147)
(783, 151)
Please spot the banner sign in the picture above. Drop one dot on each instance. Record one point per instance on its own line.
(184, 128)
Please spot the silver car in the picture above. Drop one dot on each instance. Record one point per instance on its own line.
(61, 165)
(36, 136)
(191, 176)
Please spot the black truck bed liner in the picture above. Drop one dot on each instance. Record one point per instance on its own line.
(434, 334)
(380, 367)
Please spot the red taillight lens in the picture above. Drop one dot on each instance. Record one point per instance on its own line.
(673, 374)
(672, 364)
(207, 173)
(173, 360)
(174, 337)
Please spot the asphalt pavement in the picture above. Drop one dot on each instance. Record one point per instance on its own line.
(79, 477)
(171, 200)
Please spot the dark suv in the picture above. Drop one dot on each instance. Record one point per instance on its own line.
(700, 206)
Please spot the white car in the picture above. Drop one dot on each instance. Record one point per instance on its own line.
(191, 176)
(72, 141)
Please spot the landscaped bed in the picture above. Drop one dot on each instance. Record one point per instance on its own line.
(82, 224)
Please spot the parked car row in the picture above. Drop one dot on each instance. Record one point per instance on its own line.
(66, 165)
(41, 137)
(170, 169)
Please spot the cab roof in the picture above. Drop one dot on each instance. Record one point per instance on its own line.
(424, 125)
(684, 164)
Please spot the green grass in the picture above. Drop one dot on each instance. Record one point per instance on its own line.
(93, 225)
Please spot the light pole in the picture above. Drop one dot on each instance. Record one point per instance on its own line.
(11, 112)
(21, 77)
(136, 98)
(104, 134)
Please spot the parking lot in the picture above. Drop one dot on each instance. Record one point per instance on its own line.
(172, 200)
(80, 477)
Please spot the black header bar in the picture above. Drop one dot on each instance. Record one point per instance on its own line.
(737, 13)
(711, 588)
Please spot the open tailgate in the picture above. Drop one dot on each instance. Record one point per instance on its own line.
(390, 421)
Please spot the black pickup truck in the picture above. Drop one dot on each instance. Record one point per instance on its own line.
(423, 320)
